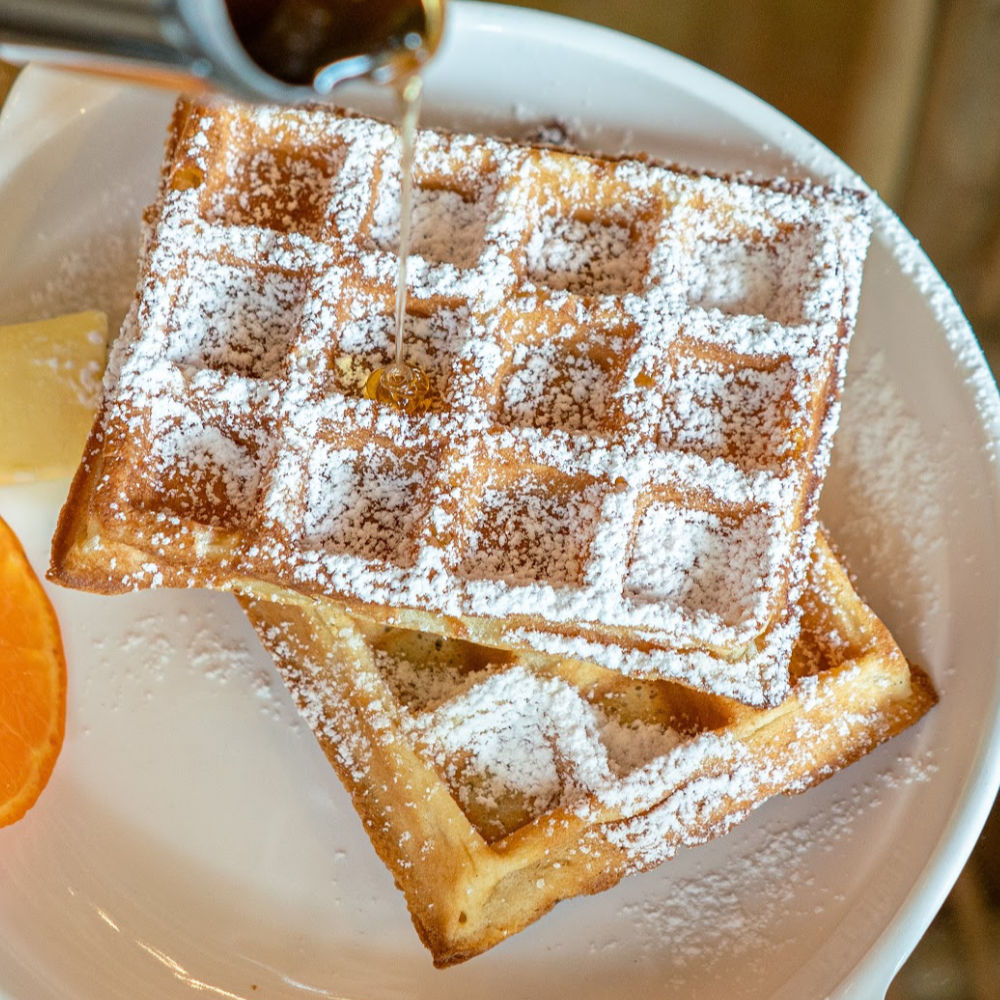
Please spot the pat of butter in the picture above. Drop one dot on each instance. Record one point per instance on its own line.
(50, 385)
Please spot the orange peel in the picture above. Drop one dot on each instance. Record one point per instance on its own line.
(32, 682)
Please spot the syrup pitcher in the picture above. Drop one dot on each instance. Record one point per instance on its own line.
(275, 50)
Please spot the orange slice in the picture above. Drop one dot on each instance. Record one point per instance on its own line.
(32, 682)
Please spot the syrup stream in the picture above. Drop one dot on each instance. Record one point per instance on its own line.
(305, 41)
(403, 386)
(410, 92)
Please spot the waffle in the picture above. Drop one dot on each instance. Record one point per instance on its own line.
(635, 375)
(494, 784)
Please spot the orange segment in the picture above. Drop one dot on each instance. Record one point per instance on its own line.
(32, 682)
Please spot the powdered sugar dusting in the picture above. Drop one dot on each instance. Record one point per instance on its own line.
(715, 916)
(154, 645)
(556, 777)
(80, 381)
(898, 530)
(515, 733)
(282, 300)
(544, 734)
(694, 553)
(91, 263)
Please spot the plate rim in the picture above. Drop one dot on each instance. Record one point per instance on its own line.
(901, 934)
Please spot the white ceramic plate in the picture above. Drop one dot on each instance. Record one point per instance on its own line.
(193, 840)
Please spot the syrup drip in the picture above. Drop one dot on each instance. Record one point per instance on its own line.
(400, 384)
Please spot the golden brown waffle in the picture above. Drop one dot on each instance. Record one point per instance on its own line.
(494, 784)
(635, 374)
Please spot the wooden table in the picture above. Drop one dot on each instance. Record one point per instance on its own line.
(7, 74)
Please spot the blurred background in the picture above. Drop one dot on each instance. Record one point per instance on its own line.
(907, 92)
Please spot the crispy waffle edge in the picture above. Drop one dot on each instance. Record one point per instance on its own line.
(466, 895)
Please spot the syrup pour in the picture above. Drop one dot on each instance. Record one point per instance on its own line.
(320, 42)
(400, 384)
